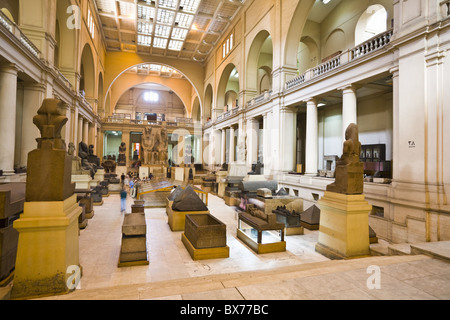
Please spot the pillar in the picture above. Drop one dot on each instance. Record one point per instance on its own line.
(349, 107)
(311, 165)
(33, 95)
(8, 101)
(80, 128)
(223, 146)
(252, 141)
(231, 151)
(86, 132)
(288, 140)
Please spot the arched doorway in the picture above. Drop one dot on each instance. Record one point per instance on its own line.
(372, 22)
(228, 89)
(87, 72)
(260, 63)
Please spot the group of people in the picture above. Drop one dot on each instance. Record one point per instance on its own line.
(129, 183)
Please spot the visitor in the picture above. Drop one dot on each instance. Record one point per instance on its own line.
(131, 184)
(123, 200)
(122, 180)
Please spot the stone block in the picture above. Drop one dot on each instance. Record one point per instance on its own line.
(205, 231)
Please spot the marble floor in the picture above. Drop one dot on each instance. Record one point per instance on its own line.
(100, 247)
(296, 274)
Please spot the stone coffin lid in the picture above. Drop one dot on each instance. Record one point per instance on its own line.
(188, 200)
(311, 215)
(175, 193)
(12, 198)
(246, 186)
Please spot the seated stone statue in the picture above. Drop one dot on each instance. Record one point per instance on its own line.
(83, 153)
(349, 170)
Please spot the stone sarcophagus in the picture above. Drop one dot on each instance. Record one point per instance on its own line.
(205, 231)
(12, 198)
(290, 218)
(205, 237)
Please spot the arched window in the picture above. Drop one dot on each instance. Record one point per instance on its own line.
(372, 22)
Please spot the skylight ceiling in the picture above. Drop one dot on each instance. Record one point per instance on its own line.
(182, 29)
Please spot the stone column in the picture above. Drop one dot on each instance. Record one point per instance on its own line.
(8, 100)
(252, 141)
(349, 107)
(223, 145)
(80, 129)
(86, 132)
(288, 139)
(231, 151)
(311, 165)
(33, 95)
(266, 138)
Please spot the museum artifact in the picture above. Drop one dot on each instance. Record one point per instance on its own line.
(188, 200)
(205, 237)
(122, 159)
(48, 227)
(349, 170)
(12, 198)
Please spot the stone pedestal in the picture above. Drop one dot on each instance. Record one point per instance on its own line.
(82, 181)
(48, 245)
(344, 226)
(134, 240)
(221, 183)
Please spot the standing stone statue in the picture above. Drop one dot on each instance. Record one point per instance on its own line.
(49, 166)
(122, 160)
(349, 170)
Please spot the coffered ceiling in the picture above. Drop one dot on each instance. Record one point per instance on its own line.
(181, 29)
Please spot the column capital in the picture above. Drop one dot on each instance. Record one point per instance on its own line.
(311, 100)
(347, 87)
(10, 68)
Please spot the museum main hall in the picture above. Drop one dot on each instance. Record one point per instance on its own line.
(224, 150)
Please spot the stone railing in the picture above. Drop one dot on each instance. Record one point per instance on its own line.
(259, 99)
(15, 30)
(361, 50)
(371, 45)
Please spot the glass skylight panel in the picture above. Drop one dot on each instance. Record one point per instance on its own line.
(179, 34)
(190, 5)
(162, 31)
(144, 40)
(184, 20)
(165, 16)
(155, 67)
(169, 4)
(145, 27)
(160, 43)
(175, 45)
(146, 13)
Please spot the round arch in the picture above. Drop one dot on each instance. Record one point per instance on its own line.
(87, 72)
(294, 33)
(181, 88)
(67, 44)
(253, 60)
(117, 63)
(208, 105)
(224, 85)
(371, 22)
(116, 80)
(196, 110)
(100, 106)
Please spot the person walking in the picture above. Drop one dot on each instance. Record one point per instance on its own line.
(123, 200)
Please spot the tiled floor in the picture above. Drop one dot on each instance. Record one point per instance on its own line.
(298, 273)
(100, 246)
